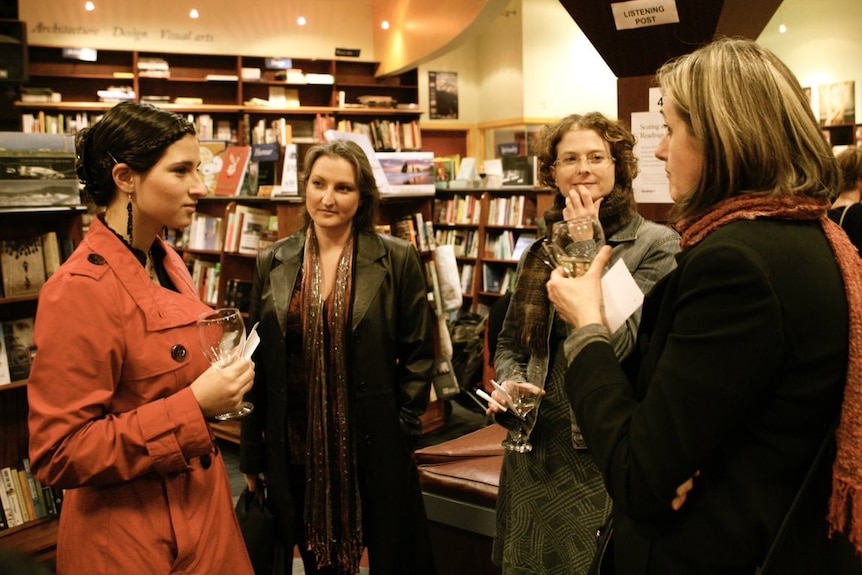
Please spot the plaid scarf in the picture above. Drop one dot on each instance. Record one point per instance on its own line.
(530, 298)
(333, 515)
(845, 505)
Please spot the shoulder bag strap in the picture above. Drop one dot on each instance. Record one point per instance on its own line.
(843, 213)
(779, 536)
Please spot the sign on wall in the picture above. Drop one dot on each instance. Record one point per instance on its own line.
(644, 13)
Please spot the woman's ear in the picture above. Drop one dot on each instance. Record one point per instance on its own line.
(123, 178)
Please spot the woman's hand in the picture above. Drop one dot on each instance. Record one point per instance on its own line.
(580, 204)
(579, 300)
(220, 390)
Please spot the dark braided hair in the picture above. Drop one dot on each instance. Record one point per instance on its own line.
(129, 133)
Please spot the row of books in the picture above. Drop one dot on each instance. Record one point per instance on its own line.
(203, 233)
(68, 123)
(16, 349)
(415, 230)
(510, 211)
(248, 228)
(506, 245)
(386, 134)
(205, 275)
(24, 498)
(465, 242)
(460, 209)
(26, 263)
(497, 279)
(237, 294)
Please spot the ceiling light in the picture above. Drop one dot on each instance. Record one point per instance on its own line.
(385, 25)
(782, 28)
(194, 14)
(89, 6)
(301, 21)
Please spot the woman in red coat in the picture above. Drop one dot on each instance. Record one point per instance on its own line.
(119, 392)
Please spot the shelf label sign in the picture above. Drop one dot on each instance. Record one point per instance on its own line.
(644, 13)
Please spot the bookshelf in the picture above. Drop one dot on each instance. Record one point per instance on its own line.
(226, 95)
(486, 225)
(38, 537)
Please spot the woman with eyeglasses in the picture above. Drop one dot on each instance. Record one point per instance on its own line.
(551, 501)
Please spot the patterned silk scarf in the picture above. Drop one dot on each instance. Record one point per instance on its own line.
(845, 505)
(333, 515)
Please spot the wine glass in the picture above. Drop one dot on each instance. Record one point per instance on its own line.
(574, 243)
(523, 385)
(221, 333)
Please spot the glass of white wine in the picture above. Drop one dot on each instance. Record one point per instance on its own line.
(523, 385)
(574, 243)
(221, 333)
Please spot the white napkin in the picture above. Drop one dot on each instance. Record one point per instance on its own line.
(251, 342)
(622, 296)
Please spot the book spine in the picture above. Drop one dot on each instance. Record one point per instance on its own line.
(26, 495)
(14, 504)
(35, 490)
(6, 504)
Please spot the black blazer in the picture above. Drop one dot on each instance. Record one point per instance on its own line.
(391, 353)
(742, 361)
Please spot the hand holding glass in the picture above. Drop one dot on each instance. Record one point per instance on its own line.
(221, 333)
(574, 243)
(523, 384)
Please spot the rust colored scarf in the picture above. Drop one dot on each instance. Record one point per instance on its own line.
(333, 515)
(845, 505)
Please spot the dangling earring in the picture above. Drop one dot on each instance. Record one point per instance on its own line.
(129, 224)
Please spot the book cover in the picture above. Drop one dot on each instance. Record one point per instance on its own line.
(408, 173)
(405, 228)
(254, 223)
(5, 377)
(443, 378)
(517, 170)
(18, 337)
(23, 266)
(523, 242)
(232, 174)
(289, 185)
(212, 160)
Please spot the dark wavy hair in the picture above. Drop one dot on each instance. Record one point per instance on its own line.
(129, 133)
(369, 195)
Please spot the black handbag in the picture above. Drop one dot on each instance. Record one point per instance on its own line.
(258, 529)
(603, 560)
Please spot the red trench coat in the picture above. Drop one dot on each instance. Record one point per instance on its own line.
(114, 423)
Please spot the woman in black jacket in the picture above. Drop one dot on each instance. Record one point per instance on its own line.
(343, 374)
(743, 349)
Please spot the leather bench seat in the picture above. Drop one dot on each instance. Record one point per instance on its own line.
(466, 468)
(459, 480)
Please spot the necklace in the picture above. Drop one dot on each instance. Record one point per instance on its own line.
(151, 269)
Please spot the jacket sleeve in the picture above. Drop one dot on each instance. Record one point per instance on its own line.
(76, 436)
(696, 396)
(415, 342)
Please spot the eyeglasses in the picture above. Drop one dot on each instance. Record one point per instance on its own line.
(591, 159)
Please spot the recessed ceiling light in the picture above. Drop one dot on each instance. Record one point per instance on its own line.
(385, 25)
(194, 14)
(301, 21)
(89, 6)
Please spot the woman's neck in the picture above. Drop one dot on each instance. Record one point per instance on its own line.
(328, 238)
(847, 198)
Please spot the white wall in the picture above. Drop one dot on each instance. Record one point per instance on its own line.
(560, 72)
(822, 45)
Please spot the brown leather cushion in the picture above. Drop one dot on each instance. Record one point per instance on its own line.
(472, 480)
(485, 442)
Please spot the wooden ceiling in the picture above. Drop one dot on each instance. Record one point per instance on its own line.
(641, 51)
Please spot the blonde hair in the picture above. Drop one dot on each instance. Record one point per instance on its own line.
(754, 122)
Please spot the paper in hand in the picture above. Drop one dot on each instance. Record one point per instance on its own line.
(622, 296)
(251, 342)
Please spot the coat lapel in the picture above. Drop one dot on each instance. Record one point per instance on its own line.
(368, 275)
(283, 271)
